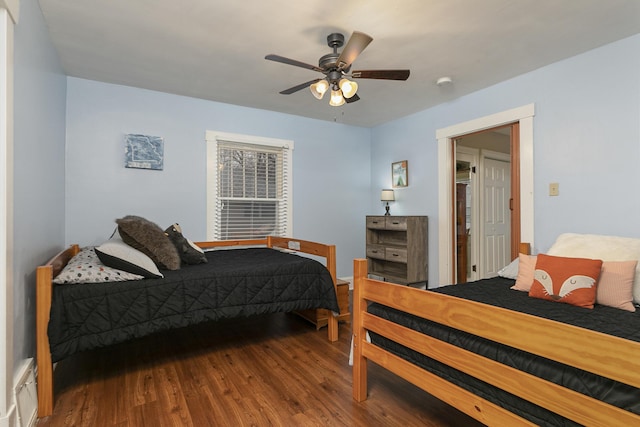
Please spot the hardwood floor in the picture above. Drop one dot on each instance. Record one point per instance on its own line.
(274, 370)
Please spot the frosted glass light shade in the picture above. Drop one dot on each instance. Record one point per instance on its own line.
(319, 88)
(336, 98)
(348, 88)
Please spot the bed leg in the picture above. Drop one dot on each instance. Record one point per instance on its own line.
(44, 276)
(359, 333)
(359, 371)
(332, 324)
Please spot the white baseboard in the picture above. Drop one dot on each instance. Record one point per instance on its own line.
(26, 397)
(9, 420)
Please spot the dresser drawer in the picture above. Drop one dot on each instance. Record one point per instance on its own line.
(395, 254)
(396, 223)
(376, 222)
(376, 251)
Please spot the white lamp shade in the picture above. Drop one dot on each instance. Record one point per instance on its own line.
(319, 88)
(336, 98)
(348, 88)
(387, 196)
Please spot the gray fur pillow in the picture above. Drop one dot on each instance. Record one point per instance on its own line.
(189, 252)
(148, 238)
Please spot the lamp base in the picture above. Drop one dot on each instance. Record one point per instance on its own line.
(387, 210)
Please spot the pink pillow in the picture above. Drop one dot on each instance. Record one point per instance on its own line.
(526, 267)
(615, 287)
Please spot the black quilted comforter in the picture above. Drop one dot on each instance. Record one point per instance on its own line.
(234, 283)
(496, 292)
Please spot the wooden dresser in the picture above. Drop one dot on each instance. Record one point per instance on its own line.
(397, 248)
(320, 316)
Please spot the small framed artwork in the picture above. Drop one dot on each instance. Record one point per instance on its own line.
(144, 152)
(399, 174)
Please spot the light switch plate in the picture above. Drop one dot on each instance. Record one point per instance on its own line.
(554, 189)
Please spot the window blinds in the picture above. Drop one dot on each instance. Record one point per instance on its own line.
(252, 190)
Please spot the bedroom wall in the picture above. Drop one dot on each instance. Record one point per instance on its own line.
(330, 194)
(39, 137)
(586, 138)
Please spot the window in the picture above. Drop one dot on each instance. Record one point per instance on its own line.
(248, 187)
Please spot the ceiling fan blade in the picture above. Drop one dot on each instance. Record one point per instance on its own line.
(284, 60)
(381, 74)
(299, 87)
(356, 44)
(354, 98)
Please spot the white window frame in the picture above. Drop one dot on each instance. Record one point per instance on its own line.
(212, 139)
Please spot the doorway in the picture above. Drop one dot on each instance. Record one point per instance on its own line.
(482, 209)
(522, 181)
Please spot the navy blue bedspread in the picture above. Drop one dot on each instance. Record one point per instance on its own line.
(496, 292)
(233, 283)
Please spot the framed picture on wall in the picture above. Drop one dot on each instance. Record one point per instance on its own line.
(144, 152)
(399, 174)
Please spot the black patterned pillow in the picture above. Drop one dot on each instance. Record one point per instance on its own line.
(189, 252)
(85, 267)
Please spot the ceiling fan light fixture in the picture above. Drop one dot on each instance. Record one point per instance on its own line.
(336, 98)
(319, 88)
(348, 88)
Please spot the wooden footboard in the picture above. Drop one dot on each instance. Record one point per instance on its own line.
(328, 252)
(44, 277)
(602, 354)
(44, 290)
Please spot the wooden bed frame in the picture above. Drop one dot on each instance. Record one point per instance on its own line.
(605, 355)
(44, 291)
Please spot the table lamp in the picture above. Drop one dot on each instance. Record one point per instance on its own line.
(387, 196)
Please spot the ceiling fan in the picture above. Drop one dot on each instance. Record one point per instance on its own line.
(336, 68)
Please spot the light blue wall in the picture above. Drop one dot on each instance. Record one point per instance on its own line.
(586, 138)
(331, 165)
(39, 136)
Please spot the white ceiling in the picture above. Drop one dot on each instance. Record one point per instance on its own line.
(214, 49)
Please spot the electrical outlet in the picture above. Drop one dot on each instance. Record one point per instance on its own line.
(554, 189)
(294, 245)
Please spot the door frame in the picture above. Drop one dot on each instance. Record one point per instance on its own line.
(464, 153)
(9, 12)
(523, 116)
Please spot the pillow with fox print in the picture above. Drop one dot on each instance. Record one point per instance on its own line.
(568, 280)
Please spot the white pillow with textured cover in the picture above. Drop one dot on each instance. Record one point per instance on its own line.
(606, 248)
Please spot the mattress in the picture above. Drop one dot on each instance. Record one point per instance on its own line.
(496, 292)
(233, 283)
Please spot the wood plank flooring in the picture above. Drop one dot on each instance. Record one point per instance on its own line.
(274, 370)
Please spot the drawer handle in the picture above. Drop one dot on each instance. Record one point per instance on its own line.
(396, 222)
(374, 252)
(395, 254)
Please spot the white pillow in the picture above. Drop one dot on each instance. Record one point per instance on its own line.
(510, 271)
(117, 254)
(606, 248)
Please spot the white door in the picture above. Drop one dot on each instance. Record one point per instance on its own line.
(496, 233)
